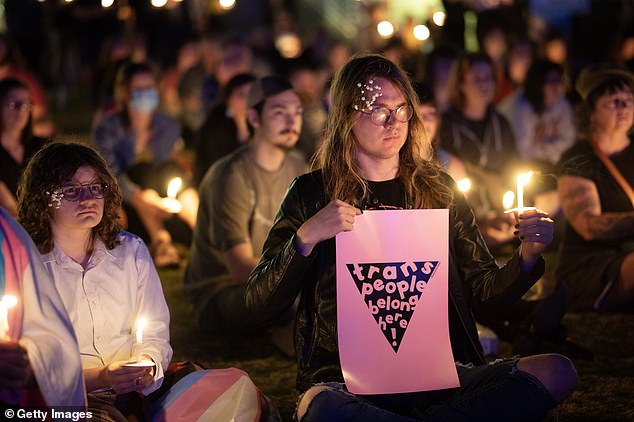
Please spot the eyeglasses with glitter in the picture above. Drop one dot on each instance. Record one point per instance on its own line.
(380, 115)
(74, 192)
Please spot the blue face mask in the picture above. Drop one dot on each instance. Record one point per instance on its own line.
(144, 100)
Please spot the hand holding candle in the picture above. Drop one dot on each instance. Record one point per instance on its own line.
(7, 302)
(535, 230)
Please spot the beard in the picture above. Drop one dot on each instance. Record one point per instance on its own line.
(286, 144)
(286, 148)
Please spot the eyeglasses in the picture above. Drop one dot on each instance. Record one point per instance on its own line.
(380, 115)
(617, 103)
(74, 192)
(428, 117)
(19, 105)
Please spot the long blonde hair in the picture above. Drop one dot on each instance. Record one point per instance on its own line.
(422, 179)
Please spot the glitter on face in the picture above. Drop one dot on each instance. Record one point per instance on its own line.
(56, 199)
(369, 93)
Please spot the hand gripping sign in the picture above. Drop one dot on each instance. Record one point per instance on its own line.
(392, 287)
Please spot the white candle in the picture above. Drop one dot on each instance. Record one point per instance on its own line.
(139, 337)
(7, 302)
(522, 180)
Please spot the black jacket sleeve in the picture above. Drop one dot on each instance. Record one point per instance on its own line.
(278, 278)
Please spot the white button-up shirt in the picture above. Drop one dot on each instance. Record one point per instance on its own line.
(105, 301)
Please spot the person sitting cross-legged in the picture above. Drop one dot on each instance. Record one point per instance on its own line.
(371, 155)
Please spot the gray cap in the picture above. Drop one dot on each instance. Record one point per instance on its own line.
(268, 86)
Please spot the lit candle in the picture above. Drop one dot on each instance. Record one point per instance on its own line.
(464, 185)
(140, 324)
(508, 199)
(174, 186)
(7, 302)
(522, 180)
(172, 204)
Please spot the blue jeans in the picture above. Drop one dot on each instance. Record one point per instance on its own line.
(494, 392)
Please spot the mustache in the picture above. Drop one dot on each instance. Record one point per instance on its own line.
(289, 131)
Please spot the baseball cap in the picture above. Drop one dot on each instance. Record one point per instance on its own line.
(591, 77)
(265, 87)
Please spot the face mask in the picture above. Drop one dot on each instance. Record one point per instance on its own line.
(144, 100)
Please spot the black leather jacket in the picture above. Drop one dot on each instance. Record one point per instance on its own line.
(476, 284)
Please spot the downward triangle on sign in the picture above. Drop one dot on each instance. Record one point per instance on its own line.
(392, 291)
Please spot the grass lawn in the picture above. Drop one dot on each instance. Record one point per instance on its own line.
(605, 392)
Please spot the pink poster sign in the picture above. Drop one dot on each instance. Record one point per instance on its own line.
(392, 299)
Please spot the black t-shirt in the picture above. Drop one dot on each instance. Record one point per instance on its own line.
(580, 161)
(10, 170)
(388, 194)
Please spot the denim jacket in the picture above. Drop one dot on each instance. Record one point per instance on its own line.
(115, 140)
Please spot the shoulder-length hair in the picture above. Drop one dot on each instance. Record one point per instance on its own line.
(337, 155)
(6, 86)
(48, 169)
(536, 81)
(459, 70)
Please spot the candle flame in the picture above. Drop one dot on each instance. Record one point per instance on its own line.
(508, 199)
(9, 301)
(464, 185)
(174, 186)
(140, 324)
(523, 178)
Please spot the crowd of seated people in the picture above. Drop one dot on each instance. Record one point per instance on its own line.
(201, 170)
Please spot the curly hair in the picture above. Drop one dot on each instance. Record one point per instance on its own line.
(421, 178)
(51, 167)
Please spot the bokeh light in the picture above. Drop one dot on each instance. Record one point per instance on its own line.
(227, 4)
(439, 18)
(385, 29)
(421, 32)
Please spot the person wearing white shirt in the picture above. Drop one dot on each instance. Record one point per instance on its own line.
(68, 202)
(39, 349)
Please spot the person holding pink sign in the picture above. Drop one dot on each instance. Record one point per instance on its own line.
(370, 159)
